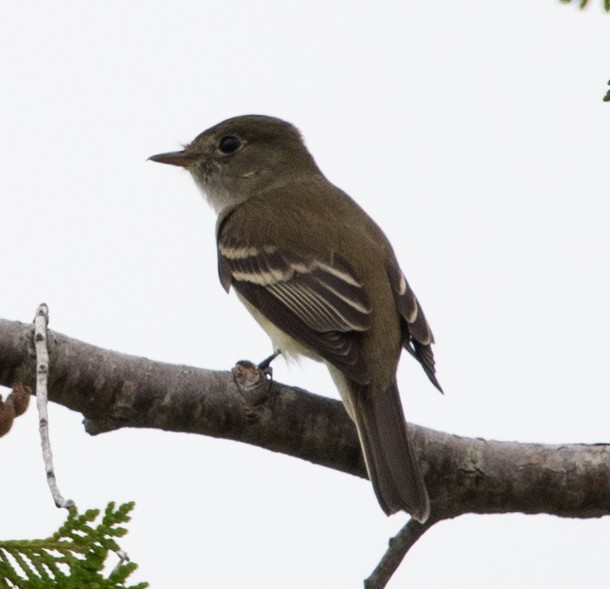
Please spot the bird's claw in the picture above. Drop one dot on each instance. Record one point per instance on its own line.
(265, 366)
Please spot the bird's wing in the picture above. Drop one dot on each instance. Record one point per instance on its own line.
(319, 303)
(418, 335)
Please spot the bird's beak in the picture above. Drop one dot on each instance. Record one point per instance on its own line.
(175, 158)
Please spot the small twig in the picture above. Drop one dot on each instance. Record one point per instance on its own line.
(123, 557)
(41, 320)
(398, 547)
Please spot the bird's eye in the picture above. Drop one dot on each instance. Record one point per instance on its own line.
(229, 144)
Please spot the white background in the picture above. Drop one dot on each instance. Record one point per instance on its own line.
(473, 132)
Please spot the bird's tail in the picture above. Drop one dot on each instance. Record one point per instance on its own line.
(390, 460)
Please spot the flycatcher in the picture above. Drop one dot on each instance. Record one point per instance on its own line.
(322, 280)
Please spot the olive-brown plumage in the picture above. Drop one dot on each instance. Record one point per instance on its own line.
(321, 278)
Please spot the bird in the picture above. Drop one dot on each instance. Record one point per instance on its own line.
(321, 278)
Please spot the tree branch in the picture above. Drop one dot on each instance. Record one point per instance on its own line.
(398, 547)
(463, 475)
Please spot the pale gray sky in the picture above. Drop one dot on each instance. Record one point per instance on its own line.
(474, 133)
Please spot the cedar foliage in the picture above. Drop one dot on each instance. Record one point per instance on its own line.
(74, 557)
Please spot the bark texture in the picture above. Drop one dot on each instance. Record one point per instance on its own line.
(463, 475)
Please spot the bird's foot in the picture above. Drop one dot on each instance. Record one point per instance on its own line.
(254, 381)
(265, 365)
